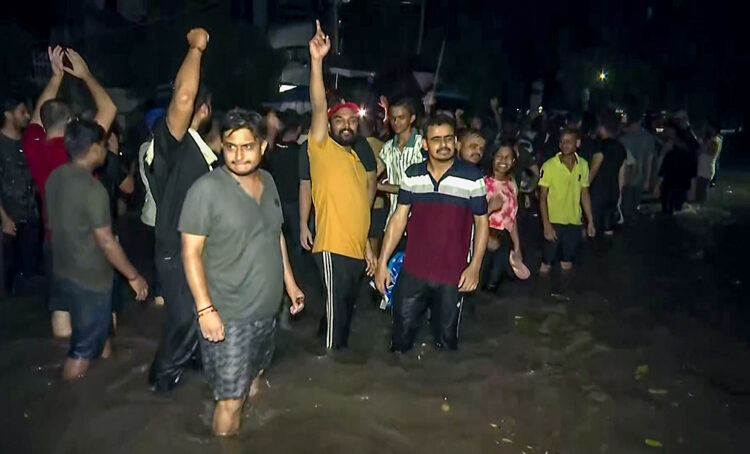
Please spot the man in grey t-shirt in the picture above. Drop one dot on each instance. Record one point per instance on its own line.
(84, 250)
(236, 263)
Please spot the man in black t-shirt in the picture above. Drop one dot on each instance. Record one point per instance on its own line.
(179, 158)
(283, 163)
(607, 174)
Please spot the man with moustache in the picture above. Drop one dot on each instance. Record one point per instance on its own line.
(471, 146)
(341, 196)
(439, 202)
(236, 262)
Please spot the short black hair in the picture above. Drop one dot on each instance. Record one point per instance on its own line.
(54, 113)
(10, 102)
(609, 121)
(438, 120)
(471, 132)
(570, 131)
(239, 118)
(290, 120)
(80, 135)
(405, 102)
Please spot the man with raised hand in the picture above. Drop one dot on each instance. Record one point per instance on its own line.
(179, 156)
(342, 196)
(44, 144)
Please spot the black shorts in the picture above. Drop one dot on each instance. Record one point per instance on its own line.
(232, 364)
(90, 316)
(564, 249)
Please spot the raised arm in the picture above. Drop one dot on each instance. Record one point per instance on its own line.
(186, 84)
(105, 107)
(320, 45)
(53, 86)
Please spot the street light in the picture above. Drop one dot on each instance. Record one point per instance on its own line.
(602, 76)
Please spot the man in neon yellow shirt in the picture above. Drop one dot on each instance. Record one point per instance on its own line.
(564, 188)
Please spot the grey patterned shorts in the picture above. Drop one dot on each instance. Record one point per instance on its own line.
(231, 365)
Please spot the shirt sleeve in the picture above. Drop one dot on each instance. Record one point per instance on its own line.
(544, 177)
(406, 191)
(478, 196)
(304, 163)
(584, 174)
(195, 217)
(366, 154)
(98, 207)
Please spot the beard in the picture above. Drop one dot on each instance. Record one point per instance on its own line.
(346, 142)
(245, 173)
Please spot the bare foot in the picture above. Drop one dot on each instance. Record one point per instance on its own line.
(544, 269)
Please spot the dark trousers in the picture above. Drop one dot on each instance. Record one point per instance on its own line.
(180, 341)
(291, 226)
(21, 252)
(604, 209)
(411, 298)
(496, 263)
(341, 277)
(672, 199)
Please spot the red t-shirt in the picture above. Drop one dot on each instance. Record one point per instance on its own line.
(43, 157)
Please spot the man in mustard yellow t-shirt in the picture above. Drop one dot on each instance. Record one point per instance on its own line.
(563, 189)
(341, 196)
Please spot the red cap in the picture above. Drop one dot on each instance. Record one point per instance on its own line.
(343, 105)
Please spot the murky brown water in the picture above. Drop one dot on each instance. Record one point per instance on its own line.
(535, 373)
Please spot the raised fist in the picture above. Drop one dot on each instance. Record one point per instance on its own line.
(198, 39)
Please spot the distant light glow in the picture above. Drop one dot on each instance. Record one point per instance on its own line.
(286, 87)
(603, 75)
(362, 112)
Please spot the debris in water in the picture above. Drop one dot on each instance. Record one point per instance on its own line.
(494, 426)
(519, 317)
(658, 391)
(641, 371)
(445, 407)
(653, 443)
(507, 440)
(25, 415)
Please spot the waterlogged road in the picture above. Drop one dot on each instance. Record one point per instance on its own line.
(644, 348)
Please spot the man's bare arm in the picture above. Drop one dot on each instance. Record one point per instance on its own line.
(114, 253)
(596, 162)
(481, 235)
(195, 273)
(53, 86)
(586, 203)
(394, 232)
(186, 85)
(319, 47)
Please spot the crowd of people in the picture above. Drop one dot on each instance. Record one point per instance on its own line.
(235, 201)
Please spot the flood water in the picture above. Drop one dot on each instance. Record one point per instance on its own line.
(646, 346)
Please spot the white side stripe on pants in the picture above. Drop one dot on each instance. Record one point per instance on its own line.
(328, 274)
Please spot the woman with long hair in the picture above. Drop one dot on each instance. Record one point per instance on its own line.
(504, 247)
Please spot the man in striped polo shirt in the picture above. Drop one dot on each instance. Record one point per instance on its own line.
(397, 154)
(439, 202)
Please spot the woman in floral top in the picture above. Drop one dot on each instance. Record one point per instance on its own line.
(504, 248)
